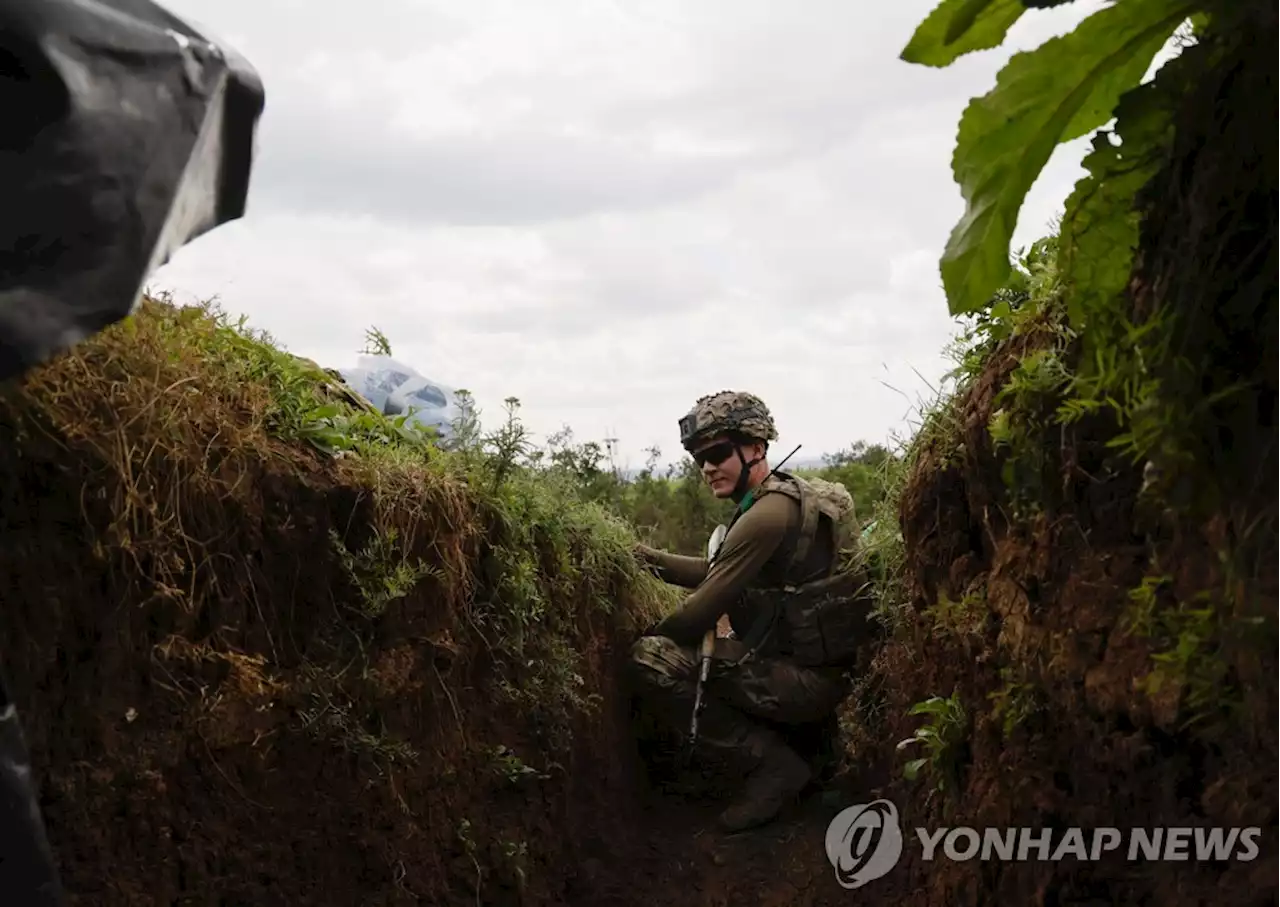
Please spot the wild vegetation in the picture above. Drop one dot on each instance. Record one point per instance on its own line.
(299, 652)
(674, 509)
(1088, 523)
(239, 584)
(242, 582)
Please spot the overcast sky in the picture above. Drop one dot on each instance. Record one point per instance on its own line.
(609, 209)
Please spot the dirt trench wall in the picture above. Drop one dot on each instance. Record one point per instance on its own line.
(1028, 615)
(1060, 730)
(212, 718)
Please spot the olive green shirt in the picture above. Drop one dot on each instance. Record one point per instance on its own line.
(753, 542)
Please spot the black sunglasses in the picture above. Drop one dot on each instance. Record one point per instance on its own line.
(715, 454)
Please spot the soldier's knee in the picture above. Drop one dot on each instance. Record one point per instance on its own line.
(647, 646)
(648, 653)
(655, 661)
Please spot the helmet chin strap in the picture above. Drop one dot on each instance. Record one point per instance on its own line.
(744, 476)
(741, 496)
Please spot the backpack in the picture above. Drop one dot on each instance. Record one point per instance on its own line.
(814, 620)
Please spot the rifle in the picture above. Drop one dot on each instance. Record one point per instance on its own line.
(705, 650)
(708, 644)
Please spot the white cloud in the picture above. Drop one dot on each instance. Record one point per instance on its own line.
(609, 209)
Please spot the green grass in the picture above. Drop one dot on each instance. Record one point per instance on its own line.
(176, 399)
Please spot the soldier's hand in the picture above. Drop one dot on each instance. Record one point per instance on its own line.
(654, 629)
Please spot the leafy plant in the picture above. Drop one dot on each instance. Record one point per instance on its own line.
(962, 617)
(1144, 599)
(508, 444)
(333, 428)
(1015, 701)
(942, 737)
(1188, 651)
(376, 343)
(1058, 92)
(380, 571)
(511, 767)
(957, 27)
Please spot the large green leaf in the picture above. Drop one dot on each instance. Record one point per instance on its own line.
(911, 770)
(958, 27)
(1099, 232)
(1061, 89)
(1103, 99)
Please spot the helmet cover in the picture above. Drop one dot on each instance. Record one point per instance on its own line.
(725, 412)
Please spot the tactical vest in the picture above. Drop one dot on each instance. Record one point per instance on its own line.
(816, 619)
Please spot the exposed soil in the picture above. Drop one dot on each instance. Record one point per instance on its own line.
(213, 722)
(186, 757)
(198, 742)
(1049, 591)
(690, 864)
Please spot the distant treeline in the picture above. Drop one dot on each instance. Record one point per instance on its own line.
(672, 507)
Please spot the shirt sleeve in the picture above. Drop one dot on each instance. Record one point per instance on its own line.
(677, 569)
(752, 541)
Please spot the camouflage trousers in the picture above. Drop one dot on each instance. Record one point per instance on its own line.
(664, 676)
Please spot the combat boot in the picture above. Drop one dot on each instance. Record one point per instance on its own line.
(777, 778)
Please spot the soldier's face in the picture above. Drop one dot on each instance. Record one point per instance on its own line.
(721, 465)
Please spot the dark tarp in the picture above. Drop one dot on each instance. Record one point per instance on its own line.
(126, 133)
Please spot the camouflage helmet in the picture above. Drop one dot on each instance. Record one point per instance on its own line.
(727, 411)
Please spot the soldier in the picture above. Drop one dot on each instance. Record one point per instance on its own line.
(794, 617)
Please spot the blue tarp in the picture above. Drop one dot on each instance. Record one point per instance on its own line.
(397, 389)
